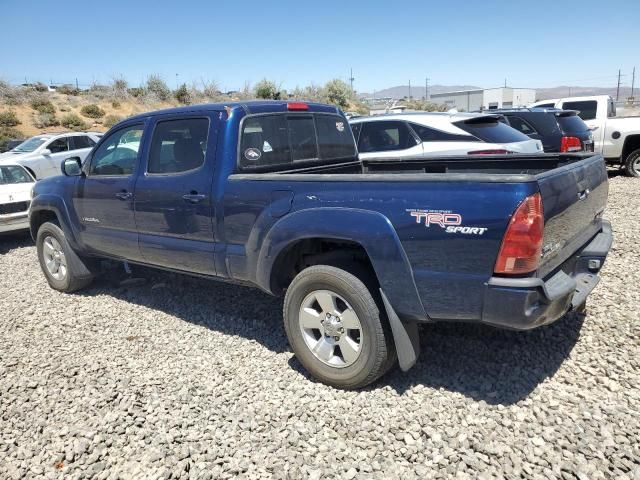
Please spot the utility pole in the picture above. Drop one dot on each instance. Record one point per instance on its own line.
(426, 89)
(505, 83)
(409, 90)
(77, 87)
(633, 81)
(618, 89)
(351, 79)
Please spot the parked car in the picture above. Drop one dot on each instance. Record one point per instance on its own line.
(9, 144)
(15, 197)
(425, 135)
(616, 138)
(42, 155)
(558, 130)
(272, 194)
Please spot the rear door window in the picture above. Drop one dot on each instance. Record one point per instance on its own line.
(178, 145)
(384, 136)
(587, 108)
(521, 125)
(492, 131)
(81, 141)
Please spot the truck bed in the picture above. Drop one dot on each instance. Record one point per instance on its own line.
(486, 168)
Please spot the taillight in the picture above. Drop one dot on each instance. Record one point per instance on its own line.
(490, 152)
(522, 242)
(297, 106)
(570, 144)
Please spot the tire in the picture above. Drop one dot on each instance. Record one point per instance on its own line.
(352, 344)
(64, 269)
(632, 164)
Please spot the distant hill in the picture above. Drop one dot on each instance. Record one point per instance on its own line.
(417, 91)
(567, 91)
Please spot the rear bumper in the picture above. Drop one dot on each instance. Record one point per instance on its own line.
(525, 303)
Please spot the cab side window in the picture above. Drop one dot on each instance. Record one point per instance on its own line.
(117, 155)
(178, 145)
(59, 145)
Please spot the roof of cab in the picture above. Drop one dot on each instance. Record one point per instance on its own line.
(250, 107)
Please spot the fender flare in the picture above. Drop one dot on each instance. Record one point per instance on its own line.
(55, 204)
(372, 230)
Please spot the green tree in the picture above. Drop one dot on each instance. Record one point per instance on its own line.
(266, 89)
(158, 87)
(182, 94)
(338, 93)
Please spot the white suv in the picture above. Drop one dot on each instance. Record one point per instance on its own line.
(424, 135)
(43, 155)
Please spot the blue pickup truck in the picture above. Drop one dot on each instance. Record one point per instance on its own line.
(272, 194)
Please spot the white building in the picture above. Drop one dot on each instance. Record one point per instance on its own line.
(486, 99)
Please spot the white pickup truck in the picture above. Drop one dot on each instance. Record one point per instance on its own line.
(616, 138)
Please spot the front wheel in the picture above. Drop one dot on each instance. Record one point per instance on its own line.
(335, 327)
(632, 164)
(64, 269)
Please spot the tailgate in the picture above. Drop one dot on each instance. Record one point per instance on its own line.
(574, 197)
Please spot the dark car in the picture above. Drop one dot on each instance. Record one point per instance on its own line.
(558, 130)
(10, 145)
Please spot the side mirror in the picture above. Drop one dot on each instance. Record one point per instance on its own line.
(72, 167)
(46, 152)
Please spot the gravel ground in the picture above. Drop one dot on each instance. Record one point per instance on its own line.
(175, 377)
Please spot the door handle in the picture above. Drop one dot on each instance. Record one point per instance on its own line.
(583, 194)
(124, 195)
(194, 197)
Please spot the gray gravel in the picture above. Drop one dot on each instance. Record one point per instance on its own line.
(182, 378)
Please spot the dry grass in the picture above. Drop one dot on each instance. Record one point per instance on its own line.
(65, 104)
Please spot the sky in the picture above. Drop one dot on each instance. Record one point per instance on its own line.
(296, 43)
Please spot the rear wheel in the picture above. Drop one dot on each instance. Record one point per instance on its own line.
(632, 164)
(64, 269)
(335, 327)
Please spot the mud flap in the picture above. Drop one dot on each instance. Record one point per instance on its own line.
(405, 336)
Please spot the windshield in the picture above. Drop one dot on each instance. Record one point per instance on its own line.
(11, 174)
(31, 144)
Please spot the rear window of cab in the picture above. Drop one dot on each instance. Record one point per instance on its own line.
(281, 140)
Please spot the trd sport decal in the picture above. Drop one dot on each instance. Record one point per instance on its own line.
(451, 222)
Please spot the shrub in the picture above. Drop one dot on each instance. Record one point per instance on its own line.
(266, 89)
(182, 94)
(157, 87)
(68, 90)
(8, 133)
(9, 118)
(43, 120)
(115, 104)
(73, 122)
(92, 111)
(111, 120)
(42, 105)
(136, 92)
(40, 87)
(338, 93)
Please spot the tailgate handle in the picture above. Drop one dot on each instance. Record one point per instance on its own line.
(583, 194)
